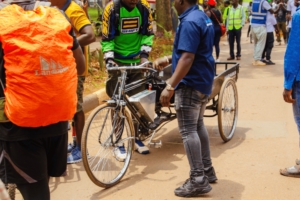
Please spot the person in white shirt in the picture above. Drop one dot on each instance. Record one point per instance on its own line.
(271, 26)
(291, 11)
(258, 28)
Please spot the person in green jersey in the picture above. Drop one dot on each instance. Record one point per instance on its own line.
(127, 39)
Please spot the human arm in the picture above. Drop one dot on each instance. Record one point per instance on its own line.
(184, 65)
(87, 36)
(189, 37)
(80, 60)
(208, 13)
(147, 32)
(243, 17)
(267, 7)
(277, 8)
(292, 59)
(227, 23)
(108, 33)
(225, 15)
(161, 63)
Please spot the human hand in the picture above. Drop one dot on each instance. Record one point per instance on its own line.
(287, 96)
(84, 5)
(111, 63)
(143, 60)
(165, 97)
(160, 63)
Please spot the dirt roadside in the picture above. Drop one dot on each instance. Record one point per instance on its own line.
(266, 139)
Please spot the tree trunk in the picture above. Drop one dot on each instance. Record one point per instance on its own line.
(163, 12)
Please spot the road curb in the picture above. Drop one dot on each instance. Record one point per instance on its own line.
(93, 100)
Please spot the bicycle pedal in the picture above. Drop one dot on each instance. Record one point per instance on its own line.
(155, 144)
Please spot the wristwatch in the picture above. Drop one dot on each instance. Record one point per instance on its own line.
(169, 87)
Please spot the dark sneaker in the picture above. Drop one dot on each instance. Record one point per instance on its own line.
(70, 147)
(211, 175)
(262, 60)
(193, 187)
(269, 62)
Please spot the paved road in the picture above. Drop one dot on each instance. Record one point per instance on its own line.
(266, 139)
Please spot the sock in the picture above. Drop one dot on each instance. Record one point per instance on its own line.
(79, 146)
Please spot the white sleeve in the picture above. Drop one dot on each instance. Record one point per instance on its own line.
(266, 5)
(289, 8)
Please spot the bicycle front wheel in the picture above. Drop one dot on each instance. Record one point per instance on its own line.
(98, 148)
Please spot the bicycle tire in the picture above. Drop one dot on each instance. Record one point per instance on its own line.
(12, 191)
(226, 119)
(85, 154)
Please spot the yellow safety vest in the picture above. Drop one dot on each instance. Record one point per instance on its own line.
(236, 19)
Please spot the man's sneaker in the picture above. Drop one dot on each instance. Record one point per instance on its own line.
(217, 60)
(262, 60)
(269, 62)
(71, 147)
(75, 156)
(140, 147)
(258, 63)
(193, 187)
(211, 174)
(120, 153)
(277, 44)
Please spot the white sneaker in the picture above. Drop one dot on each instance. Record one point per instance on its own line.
(120, 153)
(277, 44)
(217, 60)
(225, 43)
(140, 147)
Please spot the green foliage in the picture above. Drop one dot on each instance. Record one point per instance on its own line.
(167, 34)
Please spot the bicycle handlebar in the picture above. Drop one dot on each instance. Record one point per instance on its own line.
(109, 67)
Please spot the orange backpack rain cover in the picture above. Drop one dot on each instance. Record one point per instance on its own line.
(41, 75)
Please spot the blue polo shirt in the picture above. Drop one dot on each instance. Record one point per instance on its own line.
(195, 34)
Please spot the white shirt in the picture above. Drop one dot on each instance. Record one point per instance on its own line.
(291, 7)
(266, 6)
(271, 21)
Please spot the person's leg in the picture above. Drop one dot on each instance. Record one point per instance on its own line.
(249, 29)
(261, 36)
(288, 34)
(79, 120)
(188, 105)
(295, 170)
(35, 191)
(217, 41)
(231, 43)
(269, 45)
(238, 34)
(284, 31)
(265, 50)
(280, 27)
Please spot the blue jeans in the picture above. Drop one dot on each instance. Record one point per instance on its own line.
(296, 105)
(190, 105)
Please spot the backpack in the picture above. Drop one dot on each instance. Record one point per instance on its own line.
(41, 75)
(117, 4)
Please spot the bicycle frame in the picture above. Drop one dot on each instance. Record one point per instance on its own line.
(121, 100)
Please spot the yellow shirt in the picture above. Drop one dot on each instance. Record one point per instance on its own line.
(79, 20)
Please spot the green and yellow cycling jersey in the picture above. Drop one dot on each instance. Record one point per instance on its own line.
(132, 39)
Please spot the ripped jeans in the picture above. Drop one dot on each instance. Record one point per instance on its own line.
(190, 105)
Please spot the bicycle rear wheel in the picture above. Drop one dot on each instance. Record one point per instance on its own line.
(98, 157)
(227, 109)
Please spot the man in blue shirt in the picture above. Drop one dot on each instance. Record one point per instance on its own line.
(292, 81)
(192, 79)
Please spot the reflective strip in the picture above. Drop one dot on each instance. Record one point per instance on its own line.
(256, 13)
(253, 17)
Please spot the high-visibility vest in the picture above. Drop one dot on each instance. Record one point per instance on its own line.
(41, 75)
(235, 20)
(259, 14)
(225, 14)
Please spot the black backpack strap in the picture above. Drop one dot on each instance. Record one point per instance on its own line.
(117, 10)
(141, 10)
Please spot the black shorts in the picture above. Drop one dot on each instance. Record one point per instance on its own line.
(29, 161)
